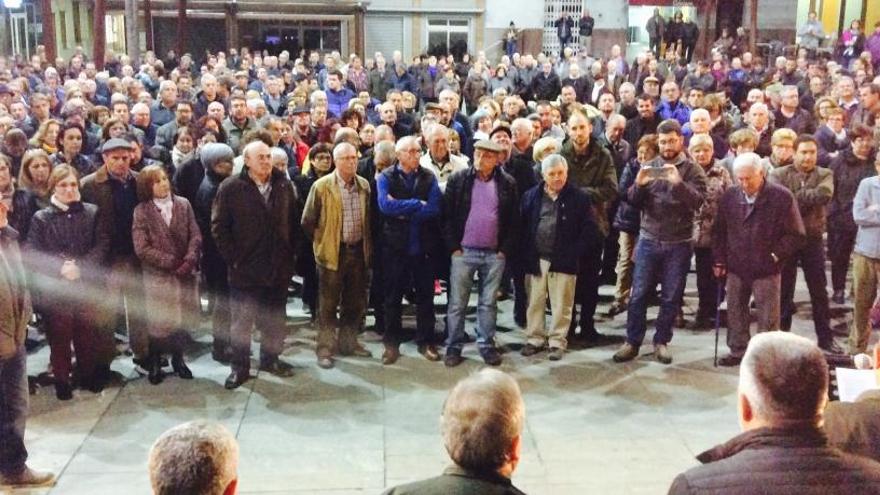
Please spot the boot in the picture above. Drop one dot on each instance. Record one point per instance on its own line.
(154, 363)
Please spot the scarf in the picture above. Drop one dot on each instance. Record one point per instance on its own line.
(178, 157)
(165, 205)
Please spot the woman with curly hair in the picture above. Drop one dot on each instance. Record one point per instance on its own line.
(46, 137)
(70, 144)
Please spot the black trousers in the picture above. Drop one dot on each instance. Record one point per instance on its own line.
(811, 258)
(402, 271)
(586, 294)
(840, 248)
(707, 284)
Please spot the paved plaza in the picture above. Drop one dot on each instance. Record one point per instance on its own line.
(592, 426)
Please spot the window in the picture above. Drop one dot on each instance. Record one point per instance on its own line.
(448, 36)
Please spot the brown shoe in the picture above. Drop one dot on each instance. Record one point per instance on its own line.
(627, 352)
(28, 478)
(391, 355)
(430, 352)
(325, 362)
(360, 351)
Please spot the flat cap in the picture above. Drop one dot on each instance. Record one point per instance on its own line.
(486, 145)
(115, 144)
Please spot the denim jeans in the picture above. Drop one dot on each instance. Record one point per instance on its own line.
(265, 308)
(666, 263)
(13, 412)
(489, 267)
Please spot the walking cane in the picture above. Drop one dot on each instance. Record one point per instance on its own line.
(718, 317)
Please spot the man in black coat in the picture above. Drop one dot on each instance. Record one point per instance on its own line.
(783, 389)
(558, 230)
(564, 26)
(757, 227)
(545, 85)
(253, 223)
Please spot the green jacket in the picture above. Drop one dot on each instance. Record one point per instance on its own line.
(458, 481)
(322, 219)
(813, 191)
(593, 172)
(15, 300)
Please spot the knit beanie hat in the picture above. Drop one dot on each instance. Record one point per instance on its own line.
(214, 153)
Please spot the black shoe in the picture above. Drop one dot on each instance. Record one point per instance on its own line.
(180, 367)
(277, 367)
(838, 297)
(154, 371)
(831, 347)
(729, 360)
(701, 323)
(63, 390)
(591, 338)
(92, 384)
(236, 379)
(452, 359)
(491, 357)
(221, 352)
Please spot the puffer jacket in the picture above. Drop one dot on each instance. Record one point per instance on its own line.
(717, 181)
(781, 461)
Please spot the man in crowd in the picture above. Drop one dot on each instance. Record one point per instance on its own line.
(198, 457)
(866, 260)
(669, 190)
(783, 389)
(790, 115)
(183, 115)
(337, 219)
(113, 189)
(590, 169)
(253, 223)
(645, 123)
(813, 189)
(481, 424)
(410, 200)
(15, 313)
(757, 228)
(238, 123)
(558, 229)
(480, 229)
(162, 110)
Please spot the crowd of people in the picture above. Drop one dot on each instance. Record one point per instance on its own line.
(131, 193)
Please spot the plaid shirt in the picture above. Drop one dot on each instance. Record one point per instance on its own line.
(352, 215)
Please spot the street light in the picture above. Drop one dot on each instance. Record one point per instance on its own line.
(12, 4)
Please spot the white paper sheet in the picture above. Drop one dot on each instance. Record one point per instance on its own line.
(851, 383)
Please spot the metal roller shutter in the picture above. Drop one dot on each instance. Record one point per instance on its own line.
(383, 33)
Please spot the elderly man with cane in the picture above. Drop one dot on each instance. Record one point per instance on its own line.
(757, 228)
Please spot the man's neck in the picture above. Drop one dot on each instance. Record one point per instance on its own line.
(441, 159)
(258, 180)
(580, 150)
(788, 112)
(348, 180)
(240, 121)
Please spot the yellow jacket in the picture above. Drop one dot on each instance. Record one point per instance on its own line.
(322, 219)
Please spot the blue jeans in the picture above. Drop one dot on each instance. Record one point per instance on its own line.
(13, 412)
(666, 263)
(489, 267)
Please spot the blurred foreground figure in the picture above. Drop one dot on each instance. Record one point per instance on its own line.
(195, 458)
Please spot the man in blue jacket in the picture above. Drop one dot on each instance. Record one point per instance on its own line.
(559, 229)
(409, 198)
(338, 95)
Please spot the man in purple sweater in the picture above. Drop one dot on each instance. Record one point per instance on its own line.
(480, 231)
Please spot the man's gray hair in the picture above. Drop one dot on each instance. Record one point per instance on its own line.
(384, 153)
(788, 89)
(313, 98)
(339, 148)
(280, 154)
(700, 111)
(166, 84)
(615, 118)
(553, 161)
(250, 147)
(435, 130)
(747, 161)
(199, 458)
(521, 125)
(785, 378)
(406, 142)
(482, 416)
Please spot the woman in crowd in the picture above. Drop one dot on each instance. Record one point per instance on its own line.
(718, 180)
(368, 138)
(351, 118)
(321, 159)
(46, 138)
(851, 44)
(70, 143)
(67, 249)
(217, 160)
(113, 128)
(628, 221)
(190, 173)
(15, 143)
(831, 136)
(33, 192)
(455, 145)
(184, 146)
(167, 241)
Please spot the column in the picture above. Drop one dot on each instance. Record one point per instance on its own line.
(48, 30)
(99, 34)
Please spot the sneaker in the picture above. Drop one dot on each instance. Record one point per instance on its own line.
(452, 359)
(491, 356)
(555, 354)
(661, 352)
(530, 350)
(27, 478)
(627, 352)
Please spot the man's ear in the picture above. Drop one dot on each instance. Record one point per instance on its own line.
(515, 449)
(231, 487)
(746, 412)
